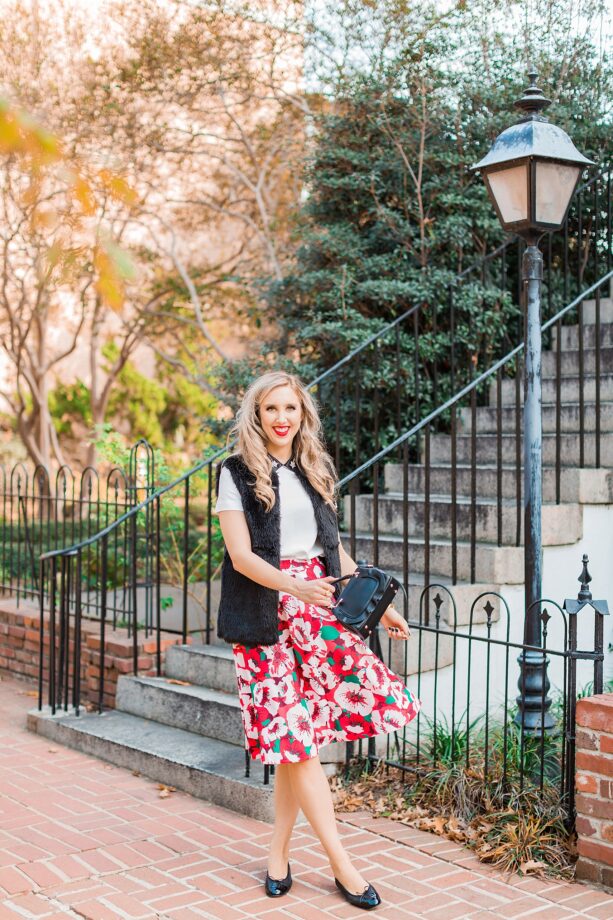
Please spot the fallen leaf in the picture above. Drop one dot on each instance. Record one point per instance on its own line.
(181, 683)
(532, 865)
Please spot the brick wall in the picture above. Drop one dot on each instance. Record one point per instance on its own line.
(20, 641)
(594, 785)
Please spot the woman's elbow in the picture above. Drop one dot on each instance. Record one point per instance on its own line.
(240, 560)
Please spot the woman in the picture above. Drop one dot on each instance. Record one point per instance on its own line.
(303, 680)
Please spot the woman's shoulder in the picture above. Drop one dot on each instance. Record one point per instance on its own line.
(235, 466)
(234, 463)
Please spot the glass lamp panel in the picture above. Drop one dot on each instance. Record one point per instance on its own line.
(555, 184)
(509, 187)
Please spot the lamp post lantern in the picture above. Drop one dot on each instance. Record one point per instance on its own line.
(531, 172)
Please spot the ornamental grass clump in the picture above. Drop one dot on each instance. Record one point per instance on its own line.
(528, 842)
(493, 791)
(527, 834)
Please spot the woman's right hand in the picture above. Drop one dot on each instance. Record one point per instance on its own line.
(316, 591)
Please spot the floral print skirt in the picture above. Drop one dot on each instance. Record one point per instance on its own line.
(318, 684)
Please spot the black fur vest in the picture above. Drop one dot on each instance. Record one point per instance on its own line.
(248, 611)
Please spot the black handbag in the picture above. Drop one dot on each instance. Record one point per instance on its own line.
(365, 598)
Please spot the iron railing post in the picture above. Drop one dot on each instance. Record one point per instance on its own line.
(533, 701)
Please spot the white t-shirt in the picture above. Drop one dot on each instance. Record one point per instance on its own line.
(298, 525)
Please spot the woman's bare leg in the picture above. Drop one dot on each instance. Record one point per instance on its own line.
(286, 812)
(313, 795)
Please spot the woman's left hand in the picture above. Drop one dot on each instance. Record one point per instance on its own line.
(395, 624)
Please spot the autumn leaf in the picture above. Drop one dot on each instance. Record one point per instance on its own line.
(534, 866)
(40, 152)
(84, 195)
(118, 188)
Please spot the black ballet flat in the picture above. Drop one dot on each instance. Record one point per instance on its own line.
(275, 887)
(366, 900)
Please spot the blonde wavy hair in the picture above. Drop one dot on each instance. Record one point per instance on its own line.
(308, 447)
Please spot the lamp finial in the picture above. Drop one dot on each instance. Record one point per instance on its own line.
(533, 102)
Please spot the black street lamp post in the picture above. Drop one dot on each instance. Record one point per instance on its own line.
(531, 173)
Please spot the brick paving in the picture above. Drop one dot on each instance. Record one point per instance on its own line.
(83, 839)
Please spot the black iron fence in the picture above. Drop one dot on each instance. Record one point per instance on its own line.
(469, 738)
(40, 512)
(462, 661)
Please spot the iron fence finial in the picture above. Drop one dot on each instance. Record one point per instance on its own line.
(584, 597)
(585, 578)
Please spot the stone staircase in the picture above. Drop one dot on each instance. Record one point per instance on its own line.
(499, 562)
(185, 729)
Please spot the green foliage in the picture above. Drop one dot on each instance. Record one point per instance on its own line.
(588, 689)
(522, 754)
(167, 411)
(446, 743)
(137, 400)
(68, 402)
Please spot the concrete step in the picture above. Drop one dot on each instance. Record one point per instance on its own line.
(211, 713)
(498, 565)
(570, 417)
(606, 310)
(592, 486)
(569, 337)
(570, 361)
(214, 770)
(487, 447)
(210, 666)
(194, 660)
(562, 524)
(569, 389)
(194, 708)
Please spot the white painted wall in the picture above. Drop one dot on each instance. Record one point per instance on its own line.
(561, 568)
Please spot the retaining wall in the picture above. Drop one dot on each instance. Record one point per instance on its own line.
(20, 642)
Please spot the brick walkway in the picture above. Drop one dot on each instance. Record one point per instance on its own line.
(84, 839)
